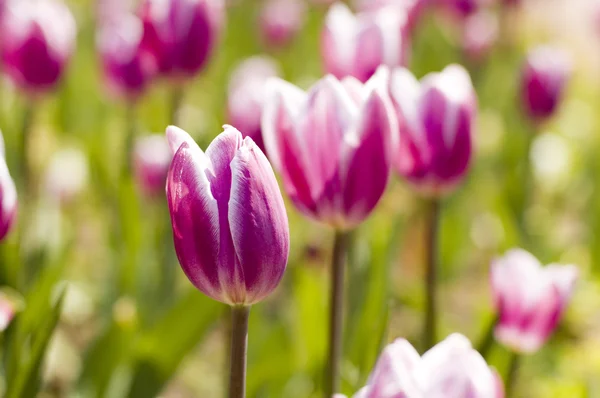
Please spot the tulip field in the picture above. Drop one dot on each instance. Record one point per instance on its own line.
(300, 198)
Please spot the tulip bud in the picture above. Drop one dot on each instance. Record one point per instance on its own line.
(37, 41)
(8, 197)
(543, 81)
(108, 11)
(66, 175)
(246, 95)
(333, 145)
(281, 20)
(181, 34)
(462, 8)
(356, 45)
(230, 226)
(151, 160)
(480, 34)
(435, 117)
(451, 369)
(412, 9)
(8, 308)
(530, 299)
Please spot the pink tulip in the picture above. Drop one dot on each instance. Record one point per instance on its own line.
(181, 34)
(530, 299)
(66, 175)
(7, 311)
(412, 8)
(126, 66)
(356, 45)
(37, 41)
(8, 200)
(543, 81)
(107, 11)
(461, 8)
(451, 369)
(436, 117)
(333, 145)
(480, 34)
(229, 222)
(246, 95)
(281, 20)
(151, 160)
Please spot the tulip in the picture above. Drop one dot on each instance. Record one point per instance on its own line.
(543, 81)
(462, 8)
(181, 34)
(451, 369)
(436, 117)
(356, 45)
(412, 8)
(480, 34)
(530, 299)
(151, 160)
(246, 95)
(108, 11)
(66, 175)
(8, 196)
(126, 66)
(37, 41)
(8, 309)
(281, 20)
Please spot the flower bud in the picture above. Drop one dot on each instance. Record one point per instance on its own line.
(435, 117)
(230, 226)
(530, 299)
(333, 145)
(412, 9)
(480, 34)
(8, 197)
(151, 160)
(281, 20)
(66, 175)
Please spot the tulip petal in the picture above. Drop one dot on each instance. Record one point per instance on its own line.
(177, 136)
(338, 40)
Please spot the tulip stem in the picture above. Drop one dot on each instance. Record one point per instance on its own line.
(239, 348)
(336, 312)
(431, 271)
(176, 101)
(511, 375)
(487, 341)
(129, 138)
(26, 126)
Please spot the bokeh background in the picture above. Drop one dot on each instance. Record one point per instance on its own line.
(132, 326)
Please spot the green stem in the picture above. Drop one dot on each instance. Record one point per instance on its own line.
(511, 375)
(527, 189)
(336, 313)
(487, 341)
(130, 133)
(239, 348)
(176, 102)
(431, 275)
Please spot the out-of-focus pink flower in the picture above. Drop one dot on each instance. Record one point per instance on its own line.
(127, 66)
(151, 160)
(66, 175)
(246, 95)
(333, 145)
(356, 45)
(8, 196)
(543, 81)
(181, 34)
(530, 299)
(229, 222)
(451, 369)
(480, 34)
(37, 41)
(412, 8)
(281, 20)
(461, 8)
(108, 11)
(8, 309)
(436, 118)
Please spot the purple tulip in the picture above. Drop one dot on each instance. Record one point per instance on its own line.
(435, 117)
(412, 9)
(126, 66)
(8, 196)
(530, 299)
(8, 309)
(333, 145)
(281, 20)
(181, 34)
(230, 226)
(480, 34)
(451, 369)
(543, 81)
(246, 96)
(356, 45)
(461, 8)
(37, 41)
(151, 160)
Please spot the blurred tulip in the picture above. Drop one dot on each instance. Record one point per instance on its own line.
(151, 160)
(230, 226)
(108, 11)
(461, 8)
(480, 34)
(356, 45)
(37, 41)
(246, 96)
(332, 145)
(436, 117)
(66, 175)
(8, 309)
(543, 81)
(412, 9)
(530, 299)
(451, 369)
(281, 20)
(181, 34)
(126, 66)
(8, 197)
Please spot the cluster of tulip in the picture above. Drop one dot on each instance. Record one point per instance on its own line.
(335, 146)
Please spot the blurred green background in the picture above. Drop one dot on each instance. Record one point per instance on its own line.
(108, 313)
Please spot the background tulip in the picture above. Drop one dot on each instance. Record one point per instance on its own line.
(8, 197)
(530, 299)
(412, 9)
(332, 145)
(480, 34)
(543, 81)
(8, 308)
(151, 160)
(229, 222)
(281, 20)
(66, 175)
(436, 120)
(356, 45)
(181, 34)
(37, 41)
(246, 95)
